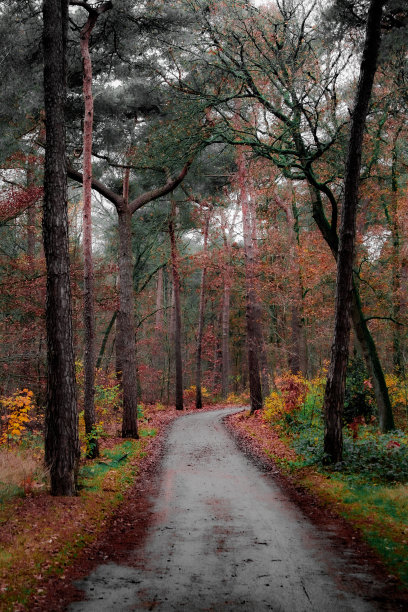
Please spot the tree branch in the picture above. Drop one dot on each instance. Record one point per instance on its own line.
(154, 194)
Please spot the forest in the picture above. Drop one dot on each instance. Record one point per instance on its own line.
(205, 204)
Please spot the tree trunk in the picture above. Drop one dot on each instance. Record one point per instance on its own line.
(159, 301)
(31, 214)
(199, 399)
(92, 448)
(126, 327)
(369, 352)
(263, 358)
(363, 335)
(336, 379)
(298, 353)
(225, 331)
(105, 339)
(398, 359)
(61, 421)
(252, 305)
(177, 310)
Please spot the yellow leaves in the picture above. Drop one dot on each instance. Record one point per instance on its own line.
(17, 407)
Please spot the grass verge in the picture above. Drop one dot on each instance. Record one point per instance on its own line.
(41, 536)
(378, 510)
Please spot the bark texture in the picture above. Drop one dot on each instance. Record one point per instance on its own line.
(126, 328)
(177, 310)
(61, 421)
(336, 379)
(298, 352)
(252, 304)
(201, 307)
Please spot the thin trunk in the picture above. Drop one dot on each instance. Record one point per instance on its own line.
(225, 332)
(199, 399)
(159, 300)
(105, 339)
(61, 421)
(369, 351)
(396, 268)
(31, 215)
(363, 335)
(336, 379)
(252, 306)
(298, 352)
(31, 233)
(92, 450)
(125, 321)
(262, 354)
(177, 310)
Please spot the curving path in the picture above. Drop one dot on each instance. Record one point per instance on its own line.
(226, 538)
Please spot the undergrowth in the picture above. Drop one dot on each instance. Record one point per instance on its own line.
(67, 526)
(369, 487)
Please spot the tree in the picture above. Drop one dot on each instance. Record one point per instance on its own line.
(288, 82)
(252, 304)
(89, 310)
(61, 436)
(201, 306)
(177, 308)
(125, 319)
(336, 378)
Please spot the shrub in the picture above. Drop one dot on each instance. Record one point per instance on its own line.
(16, 415)
(358, 398)
(190, 393)
(288, 397)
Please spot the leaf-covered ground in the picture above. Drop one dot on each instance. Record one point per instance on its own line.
(46, 541)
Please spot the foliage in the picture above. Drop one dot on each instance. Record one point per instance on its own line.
(190, 394)
(368, 454)
(17, 408)
(398, 390)
(238, 399)
(358, 399)
(289, 396)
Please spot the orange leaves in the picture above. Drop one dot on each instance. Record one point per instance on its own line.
(16, 201)
(289, 396)
(17, 409)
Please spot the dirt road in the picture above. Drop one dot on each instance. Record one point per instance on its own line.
(226, 538)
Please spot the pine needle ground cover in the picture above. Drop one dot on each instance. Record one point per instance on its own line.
(369, 488)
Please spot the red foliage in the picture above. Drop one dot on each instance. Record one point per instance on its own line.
(17, 200)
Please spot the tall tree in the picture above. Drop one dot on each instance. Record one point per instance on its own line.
(252, 303)
(271, 58)
(61, 436)
(336, 378)
(89, 308)
(177, 307)
(125, 320)
(201, 306)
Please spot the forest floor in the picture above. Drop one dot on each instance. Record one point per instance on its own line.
(65, 540)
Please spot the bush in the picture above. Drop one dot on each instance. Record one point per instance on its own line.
(358, 399)
(287, 399)
(382, 457)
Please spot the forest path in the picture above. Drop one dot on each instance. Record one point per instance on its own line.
(225, 537)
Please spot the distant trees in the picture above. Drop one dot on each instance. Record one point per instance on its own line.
(293, 115)
(228, 85)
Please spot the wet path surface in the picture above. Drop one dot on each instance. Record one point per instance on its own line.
(225, 537)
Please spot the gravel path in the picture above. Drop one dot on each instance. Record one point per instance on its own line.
(224, 538)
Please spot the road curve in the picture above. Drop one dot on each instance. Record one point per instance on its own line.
(224, 538)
